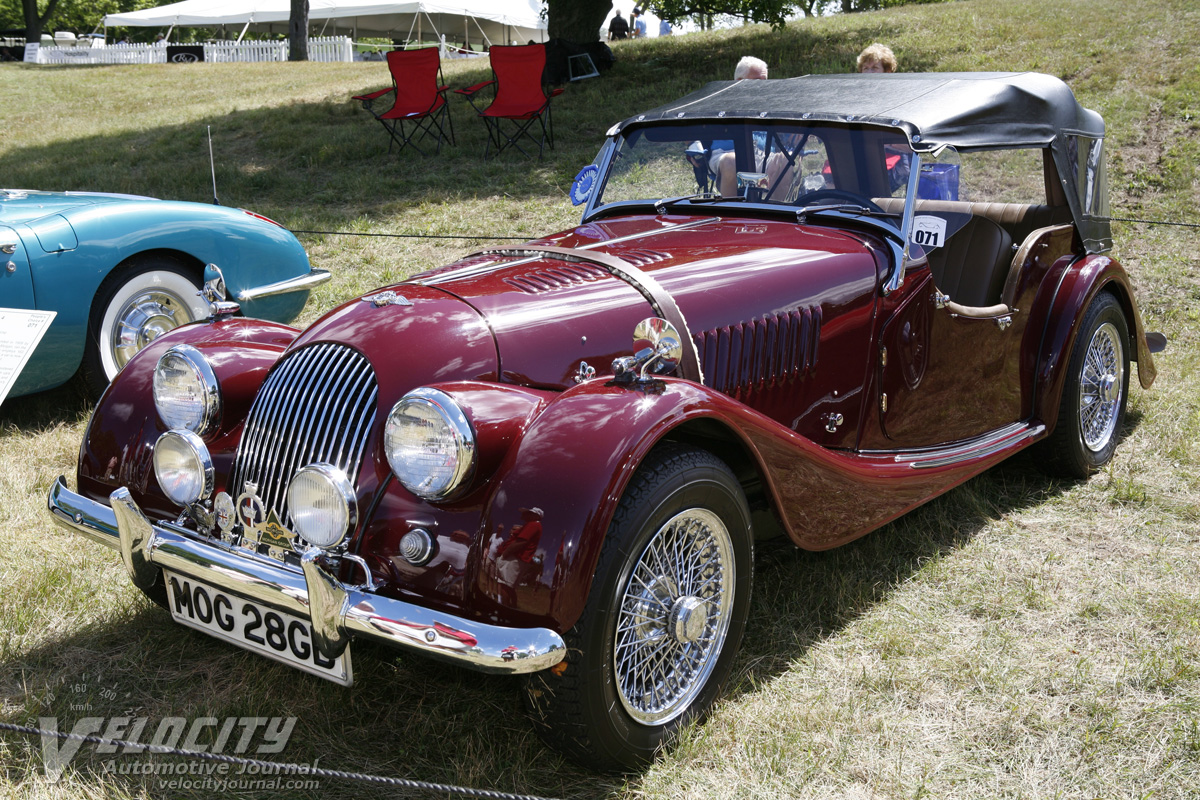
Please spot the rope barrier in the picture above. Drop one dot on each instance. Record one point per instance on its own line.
(414, 235)
(1150, 222)
(275, 767)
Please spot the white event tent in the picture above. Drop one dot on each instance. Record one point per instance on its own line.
(474, 21)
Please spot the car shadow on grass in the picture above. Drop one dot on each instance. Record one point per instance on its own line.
(64, 405)
(804, 598)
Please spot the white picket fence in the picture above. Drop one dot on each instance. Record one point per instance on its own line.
(324, 48)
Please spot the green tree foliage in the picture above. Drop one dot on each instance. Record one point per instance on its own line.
(773, 12)
(78, 16)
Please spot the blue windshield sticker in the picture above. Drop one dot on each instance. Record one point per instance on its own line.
(581, 189)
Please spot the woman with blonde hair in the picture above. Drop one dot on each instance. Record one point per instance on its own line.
(877, 58)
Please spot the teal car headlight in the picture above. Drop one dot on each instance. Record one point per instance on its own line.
(186, 392)
(429, 444)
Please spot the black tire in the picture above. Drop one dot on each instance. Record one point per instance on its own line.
(1092, 409)
(686, 607)
(155, 294)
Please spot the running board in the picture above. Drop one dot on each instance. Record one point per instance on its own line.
(1008, 438)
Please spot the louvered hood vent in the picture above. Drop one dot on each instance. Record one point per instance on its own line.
(316, 405)
(762, 353)
(562, 276)
(572, 273)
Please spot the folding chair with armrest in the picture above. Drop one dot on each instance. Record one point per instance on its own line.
(420, 99)
(519, 98)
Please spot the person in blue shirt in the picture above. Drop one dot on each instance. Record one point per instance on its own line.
(639, 24)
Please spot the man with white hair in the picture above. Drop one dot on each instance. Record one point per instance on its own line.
(723, 163)
(750, 69)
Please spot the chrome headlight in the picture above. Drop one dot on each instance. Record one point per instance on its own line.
(183, 467)
(322, 505)
(186, 392)
(429, 443)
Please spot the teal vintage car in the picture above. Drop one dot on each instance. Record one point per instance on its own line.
(121, 270)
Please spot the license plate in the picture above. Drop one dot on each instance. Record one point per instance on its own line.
(261, 629)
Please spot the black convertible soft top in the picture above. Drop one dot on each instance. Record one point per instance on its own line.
(962, 109)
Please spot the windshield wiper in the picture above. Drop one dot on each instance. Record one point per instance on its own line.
(845, 208)
(700, 197)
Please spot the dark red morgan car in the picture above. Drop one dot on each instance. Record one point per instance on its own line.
(555, 458)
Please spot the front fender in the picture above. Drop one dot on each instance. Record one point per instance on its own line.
(564, 479)
(1078, 285)
(118, 445)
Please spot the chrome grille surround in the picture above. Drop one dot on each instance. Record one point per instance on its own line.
(318, 404)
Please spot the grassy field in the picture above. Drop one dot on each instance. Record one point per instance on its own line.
(1017, 638)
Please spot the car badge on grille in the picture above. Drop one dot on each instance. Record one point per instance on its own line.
(225, 513)
(251, 510)
(274, 534)
(261, 525)
(388, 298)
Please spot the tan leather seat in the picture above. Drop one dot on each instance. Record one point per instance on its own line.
(1019, 219)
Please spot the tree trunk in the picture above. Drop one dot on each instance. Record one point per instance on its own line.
(34, 23)
(576, 20)
(298, 31)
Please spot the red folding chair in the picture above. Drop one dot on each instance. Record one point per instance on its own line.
(519, 98)
(420, 99)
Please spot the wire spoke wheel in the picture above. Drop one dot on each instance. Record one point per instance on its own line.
(1095, 390)
(1100, 387)
(665, 614)
(674, 616)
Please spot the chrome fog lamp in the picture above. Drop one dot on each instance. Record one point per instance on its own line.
(186, 392)
(429, 443)
(183, 467)
(321, 502)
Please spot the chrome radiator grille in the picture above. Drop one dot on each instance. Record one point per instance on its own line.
(318, 405)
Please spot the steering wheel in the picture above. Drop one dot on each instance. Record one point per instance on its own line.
(837, 195)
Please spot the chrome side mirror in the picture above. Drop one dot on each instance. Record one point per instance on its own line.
(657, 349)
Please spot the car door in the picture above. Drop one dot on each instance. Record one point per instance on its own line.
(16, 281)
(945, 376)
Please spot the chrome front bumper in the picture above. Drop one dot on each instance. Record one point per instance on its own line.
(338, 612)
(315, 277)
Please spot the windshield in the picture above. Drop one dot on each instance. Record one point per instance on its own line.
(785, 163)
